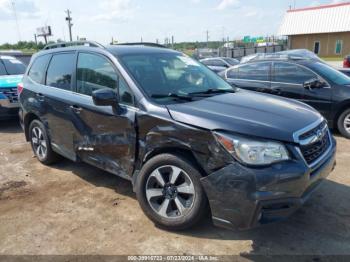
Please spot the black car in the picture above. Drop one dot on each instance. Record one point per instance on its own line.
(308, 80)
(182, 135)
(219, 64)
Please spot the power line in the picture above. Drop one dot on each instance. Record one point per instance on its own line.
(15, 15)
(69, 20)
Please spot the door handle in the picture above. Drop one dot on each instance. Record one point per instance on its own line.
(76, 109)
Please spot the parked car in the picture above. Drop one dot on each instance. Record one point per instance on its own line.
(219, 64)
(346, 62)
(345, 71)
(307, 80)
(182, 135)
(11, 71)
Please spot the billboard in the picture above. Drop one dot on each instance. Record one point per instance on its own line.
(44, 31)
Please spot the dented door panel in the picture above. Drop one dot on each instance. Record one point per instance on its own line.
(104, 136)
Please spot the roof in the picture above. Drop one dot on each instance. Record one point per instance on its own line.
(316, 20)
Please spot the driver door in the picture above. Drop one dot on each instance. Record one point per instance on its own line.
(104, 136)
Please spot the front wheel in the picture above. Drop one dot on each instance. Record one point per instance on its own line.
(170, 192)
(344, 123)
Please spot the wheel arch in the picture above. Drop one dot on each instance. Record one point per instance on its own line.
(30, 117)
(344, 106)
(173, 150)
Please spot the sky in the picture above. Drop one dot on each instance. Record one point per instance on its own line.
(131, 20)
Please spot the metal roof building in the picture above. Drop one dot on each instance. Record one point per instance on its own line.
(323, 29)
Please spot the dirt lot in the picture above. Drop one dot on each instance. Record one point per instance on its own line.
(77, 209)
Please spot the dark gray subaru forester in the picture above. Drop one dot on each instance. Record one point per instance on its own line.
(184, 137)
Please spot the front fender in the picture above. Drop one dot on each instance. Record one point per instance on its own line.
(167, 136)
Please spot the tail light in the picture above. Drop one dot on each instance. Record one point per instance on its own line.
(19, 88)
(346, 62)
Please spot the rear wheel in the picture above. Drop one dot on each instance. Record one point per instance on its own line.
(344, 123)
(41, 144)
(170, 193)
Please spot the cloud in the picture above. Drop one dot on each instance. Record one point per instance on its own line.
(115, 10)
(25, 9)
(251, 14)
(227, 3)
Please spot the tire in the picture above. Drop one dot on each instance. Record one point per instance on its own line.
(344, 123)
(39, 139)
(176, 193)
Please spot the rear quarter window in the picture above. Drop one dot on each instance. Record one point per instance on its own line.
(37, 70)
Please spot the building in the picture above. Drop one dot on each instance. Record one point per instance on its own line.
(324, 29)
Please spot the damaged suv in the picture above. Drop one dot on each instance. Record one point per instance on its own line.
(184, 137)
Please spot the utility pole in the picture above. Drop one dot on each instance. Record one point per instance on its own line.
(36, 40)
(69, 20)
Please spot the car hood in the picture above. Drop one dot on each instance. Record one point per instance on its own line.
(247, 113)
(10, 80)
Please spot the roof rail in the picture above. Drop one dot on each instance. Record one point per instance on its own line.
(144, 44)
(73, 43)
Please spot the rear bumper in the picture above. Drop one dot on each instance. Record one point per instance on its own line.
(241, 197)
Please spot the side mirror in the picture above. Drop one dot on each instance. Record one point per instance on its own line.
(105, 97)
(313, 84)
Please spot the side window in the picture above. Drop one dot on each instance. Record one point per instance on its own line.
(59, 73)
(291, 73)
(37, 70)
(218, 62)
(258, 71)
(125, 94)
(232, 73)
(96, 72)
(2, 69)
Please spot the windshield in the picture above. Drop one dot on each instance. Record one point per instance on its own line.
(331, 74)
(231, 61)
(167, 77)
(12, 66)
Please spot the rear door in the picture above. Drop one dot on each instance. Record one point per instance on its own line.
(254, 76)
(104, 136)
(58, 98)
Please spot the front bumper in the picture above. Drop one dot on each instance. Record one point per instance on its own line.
(7, 109)
(241, 197)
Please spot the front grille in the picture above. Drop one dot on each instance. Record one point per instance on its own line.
(11, 94)
(319, 145)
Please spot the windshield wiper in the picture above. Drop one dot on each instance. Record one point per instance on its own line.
(212, 91)
(172, 95)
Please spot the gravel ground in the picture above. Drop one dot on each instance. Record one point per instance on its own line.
(76, 209)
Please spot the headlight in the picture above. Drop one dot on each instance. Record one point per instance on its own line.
(253, 151)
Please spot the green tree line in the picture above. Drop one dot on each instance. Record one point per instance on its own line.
(29, 46)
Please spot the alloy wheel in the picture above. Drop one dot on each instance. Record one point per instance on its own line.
(170, 192)
(39, 143)
(347, 123)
